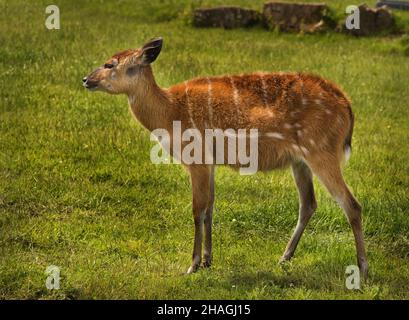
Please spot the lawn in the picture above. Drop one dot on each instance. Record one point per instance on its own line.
(78, 190)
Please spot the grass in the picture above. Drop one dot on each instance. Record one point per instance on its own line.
(77, 188)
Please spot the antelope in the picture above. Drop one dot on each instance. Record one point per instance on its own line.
(305, 121)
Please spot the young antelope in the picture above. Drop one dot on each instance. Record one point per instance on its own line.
(303, 121)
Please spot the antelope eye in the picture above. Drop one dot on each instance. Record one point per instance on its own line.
(108, 65)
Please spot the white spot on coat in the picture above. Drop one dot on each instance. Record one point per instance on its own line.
(264, 88)
(188, 107)
(347, 153)
(275, 135)
(301, 149)
(304, 150)
(236, 97)
(209, 101)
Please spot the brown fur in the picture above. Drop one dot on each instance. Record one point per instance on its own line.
(303, 121)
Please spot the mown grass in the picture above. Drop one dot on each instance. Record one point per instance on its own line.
(77, 188)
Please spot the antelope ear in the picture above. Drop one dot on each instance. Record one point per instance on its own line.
(151, 50)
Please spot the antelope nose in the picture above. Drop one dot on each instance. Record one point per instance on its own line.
(84, 79)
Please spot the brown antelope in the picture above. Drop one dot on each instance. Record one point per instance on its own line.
(305, 122)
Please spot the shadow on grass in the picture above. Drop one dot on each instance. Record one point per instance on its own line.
(265, 278)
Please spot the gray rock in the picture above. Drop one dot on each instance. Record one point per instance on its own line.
(402, 5)
(372, 21)
(225, 17)
(294, 16)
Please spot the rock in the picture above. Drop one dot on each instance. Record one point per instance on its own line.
(372, 21)
(384, 18)
(225, 17)
(402, 5)
(294, 16)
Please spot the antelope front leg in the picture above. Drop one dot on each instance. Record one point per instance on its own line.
(208, 224)
(200, 177)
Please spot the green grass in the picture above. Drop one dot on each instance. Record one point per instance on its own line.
(77, 188)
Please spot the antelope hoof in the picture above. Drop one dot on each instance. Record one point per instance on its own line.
(284, 259)
(207, 264)
(192, 269)
(207, 260)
